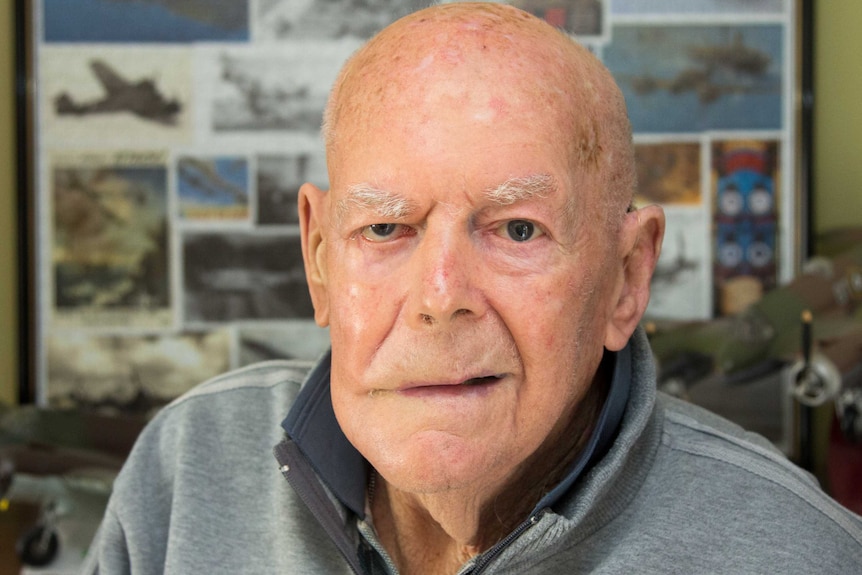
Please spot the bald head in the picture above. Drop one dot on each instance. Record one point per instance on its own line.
(497, 63)
(495, 58)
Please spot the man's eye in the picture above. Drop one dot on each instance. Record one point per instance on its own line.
(379, 232)
(520, 230)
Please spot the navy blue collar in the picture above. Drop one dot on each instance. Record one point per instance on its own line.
(312, 426)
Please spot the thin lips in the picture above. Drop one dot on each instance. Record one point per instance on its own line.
(468, 380)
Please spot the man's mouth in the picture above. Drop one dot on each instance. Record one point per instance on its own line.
(451, 388)
(482, 380)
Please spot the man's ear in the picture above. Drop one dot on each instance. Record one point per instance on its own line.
(640, 246)
(313, 219)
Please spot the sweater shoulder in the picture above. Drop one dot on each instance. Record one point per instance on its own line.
(736, 459)
(267, 375)
(235, 410)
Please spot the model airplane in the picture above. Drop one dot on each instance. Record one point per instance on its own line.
(813, 326)
(65, 462)
(141, 98)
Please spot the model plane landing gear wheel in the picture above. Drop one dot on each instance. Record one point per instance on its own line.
(38, 546)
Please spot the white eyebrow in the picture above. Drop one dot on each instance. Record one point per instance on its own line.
(519, 189)
(391, 206)
(387, 205)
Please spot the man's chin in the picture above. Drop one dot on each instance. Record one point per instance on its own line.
(436, 463)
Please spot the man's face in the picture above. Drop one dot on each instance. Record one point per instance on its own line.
(466, 284)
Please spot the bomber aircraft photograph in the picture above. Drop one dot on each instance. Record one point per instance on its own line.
(717, 70)
(141, 98)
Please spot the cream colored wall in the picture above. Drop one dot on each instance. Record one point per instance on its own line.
(8, 234)
(838, 114)
(837, 161)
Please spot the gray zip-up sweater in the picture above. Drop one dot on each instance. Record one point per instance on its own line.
(663, 487)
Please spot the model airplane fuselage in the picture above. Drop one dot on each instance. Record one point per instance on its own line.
(65, 462)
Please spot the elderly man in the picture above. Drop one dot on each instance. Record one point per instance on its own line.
(489, 404)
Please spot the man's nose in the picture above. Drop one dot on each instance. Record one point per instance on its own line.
(444, 284)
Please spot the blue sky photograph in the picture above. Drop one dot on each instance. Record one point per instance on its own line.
(139, 21)
(696, 78)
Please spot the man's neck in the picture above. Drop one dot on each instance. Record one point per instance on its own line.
(437, 534)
